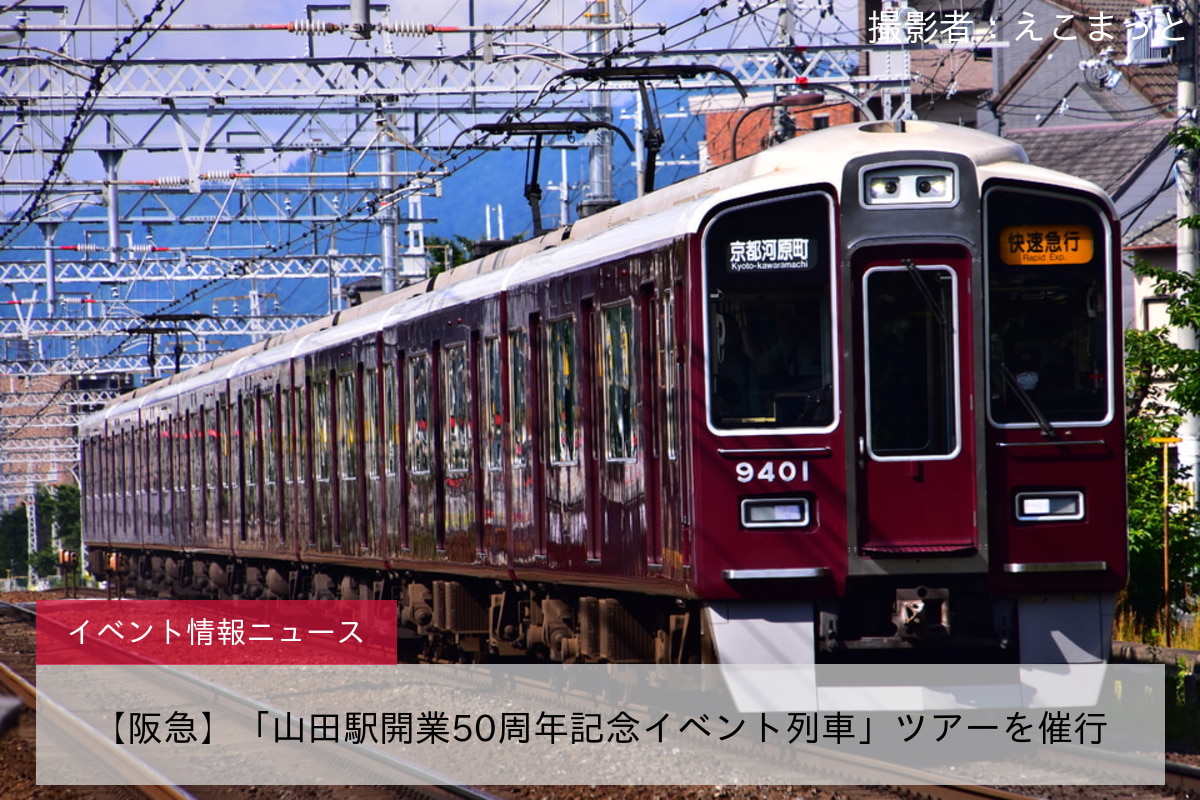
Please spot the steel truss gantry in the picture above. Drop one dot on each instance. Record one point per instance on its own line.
(167, 141)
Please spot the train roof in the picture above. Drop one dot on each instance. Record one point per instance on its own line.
(659, 217)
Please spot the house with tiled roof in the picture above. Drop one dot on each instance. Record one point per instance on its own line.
(1133, 162)
(1062, 63)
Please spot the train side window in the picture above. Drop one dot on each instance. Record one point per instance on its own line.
(391, 422)
(212, 448)
(304, 426)
(493, 405)
(456, 409)
(228, 433)
(347, 428)
(371, 421)
(620, 408)
(321, 441)
(175, 477)
(287, 447)
(250, 477)
(269, 438)
(565, 436)
(518, 381)
(419, 400)
(669, 375)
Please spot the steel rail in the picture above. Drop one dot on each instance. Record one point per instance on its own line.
(141, 777)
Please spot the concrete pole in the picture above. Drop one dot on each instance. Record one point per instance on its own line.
(1185, 207)
(31, 521)
(387, 219)
(48, 230)
(600, 166)
(360, 19)
(112, 160)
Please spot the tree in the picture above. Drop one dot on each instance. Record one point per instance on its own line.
(446, 253)
(1151, 360)
(14, 536)
(56, 505)
(1162, 384)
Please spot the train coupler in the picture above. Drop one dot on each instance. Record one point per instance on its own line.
(922, 613)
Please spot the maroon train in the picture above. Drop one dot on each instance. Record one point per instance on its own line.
(859, 392)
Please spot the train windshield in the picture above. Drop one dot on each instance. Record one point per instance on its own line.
(770, 342)
(1049, 343)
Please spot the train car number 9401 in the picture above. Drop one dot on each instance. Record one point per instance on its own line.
(785, 471)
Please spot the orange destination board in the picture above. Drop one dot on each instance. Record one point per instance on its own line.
(1046, 244)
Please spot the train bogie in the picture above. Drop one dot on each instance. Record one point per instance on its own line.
(858, 393)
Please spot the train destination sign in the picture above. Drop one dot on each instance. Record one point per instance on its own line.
(1023, 245)
(760, 255)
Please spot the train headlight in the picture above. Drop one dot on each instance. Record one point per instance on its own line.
(880, 188)
(932, 186)
(909, 186)
(1049, 506)
(775, 512)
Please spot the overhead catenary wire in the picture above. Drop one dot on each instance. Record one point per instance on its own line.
(453, 161)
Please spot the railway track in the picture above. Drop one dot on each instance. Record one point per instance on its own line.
(135, 777)
(1182, 778)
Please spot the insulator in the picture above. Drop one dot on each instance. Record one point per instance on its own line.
(405, 28)
(218, 175)
(307, 26)
(171, 180)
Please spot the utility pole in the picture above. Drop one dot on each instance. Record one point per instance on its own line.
(1185, 208)
(600, 156)
(31, 522)
(387, 220)
(783, 127)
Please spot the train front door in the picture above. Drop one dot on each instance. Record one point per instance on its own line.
(914, 437)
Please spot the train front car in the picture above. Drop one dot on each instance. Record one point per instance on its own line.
(911, 436)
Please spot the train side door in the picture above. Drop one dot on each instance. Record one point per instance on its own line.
(914, 440)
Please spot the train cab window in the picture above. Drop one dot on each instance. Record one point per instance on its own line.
(620, 411)
(419, 400)
(566, 438)
(456, 409)
(518, 378)
(1048, 295)
(493, 411)
(768, 279)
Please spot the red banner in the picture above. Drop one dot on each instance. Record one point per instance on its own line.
(216, 632)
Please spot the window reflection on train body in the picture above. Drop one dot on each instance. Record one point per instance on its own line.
(771, 360)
